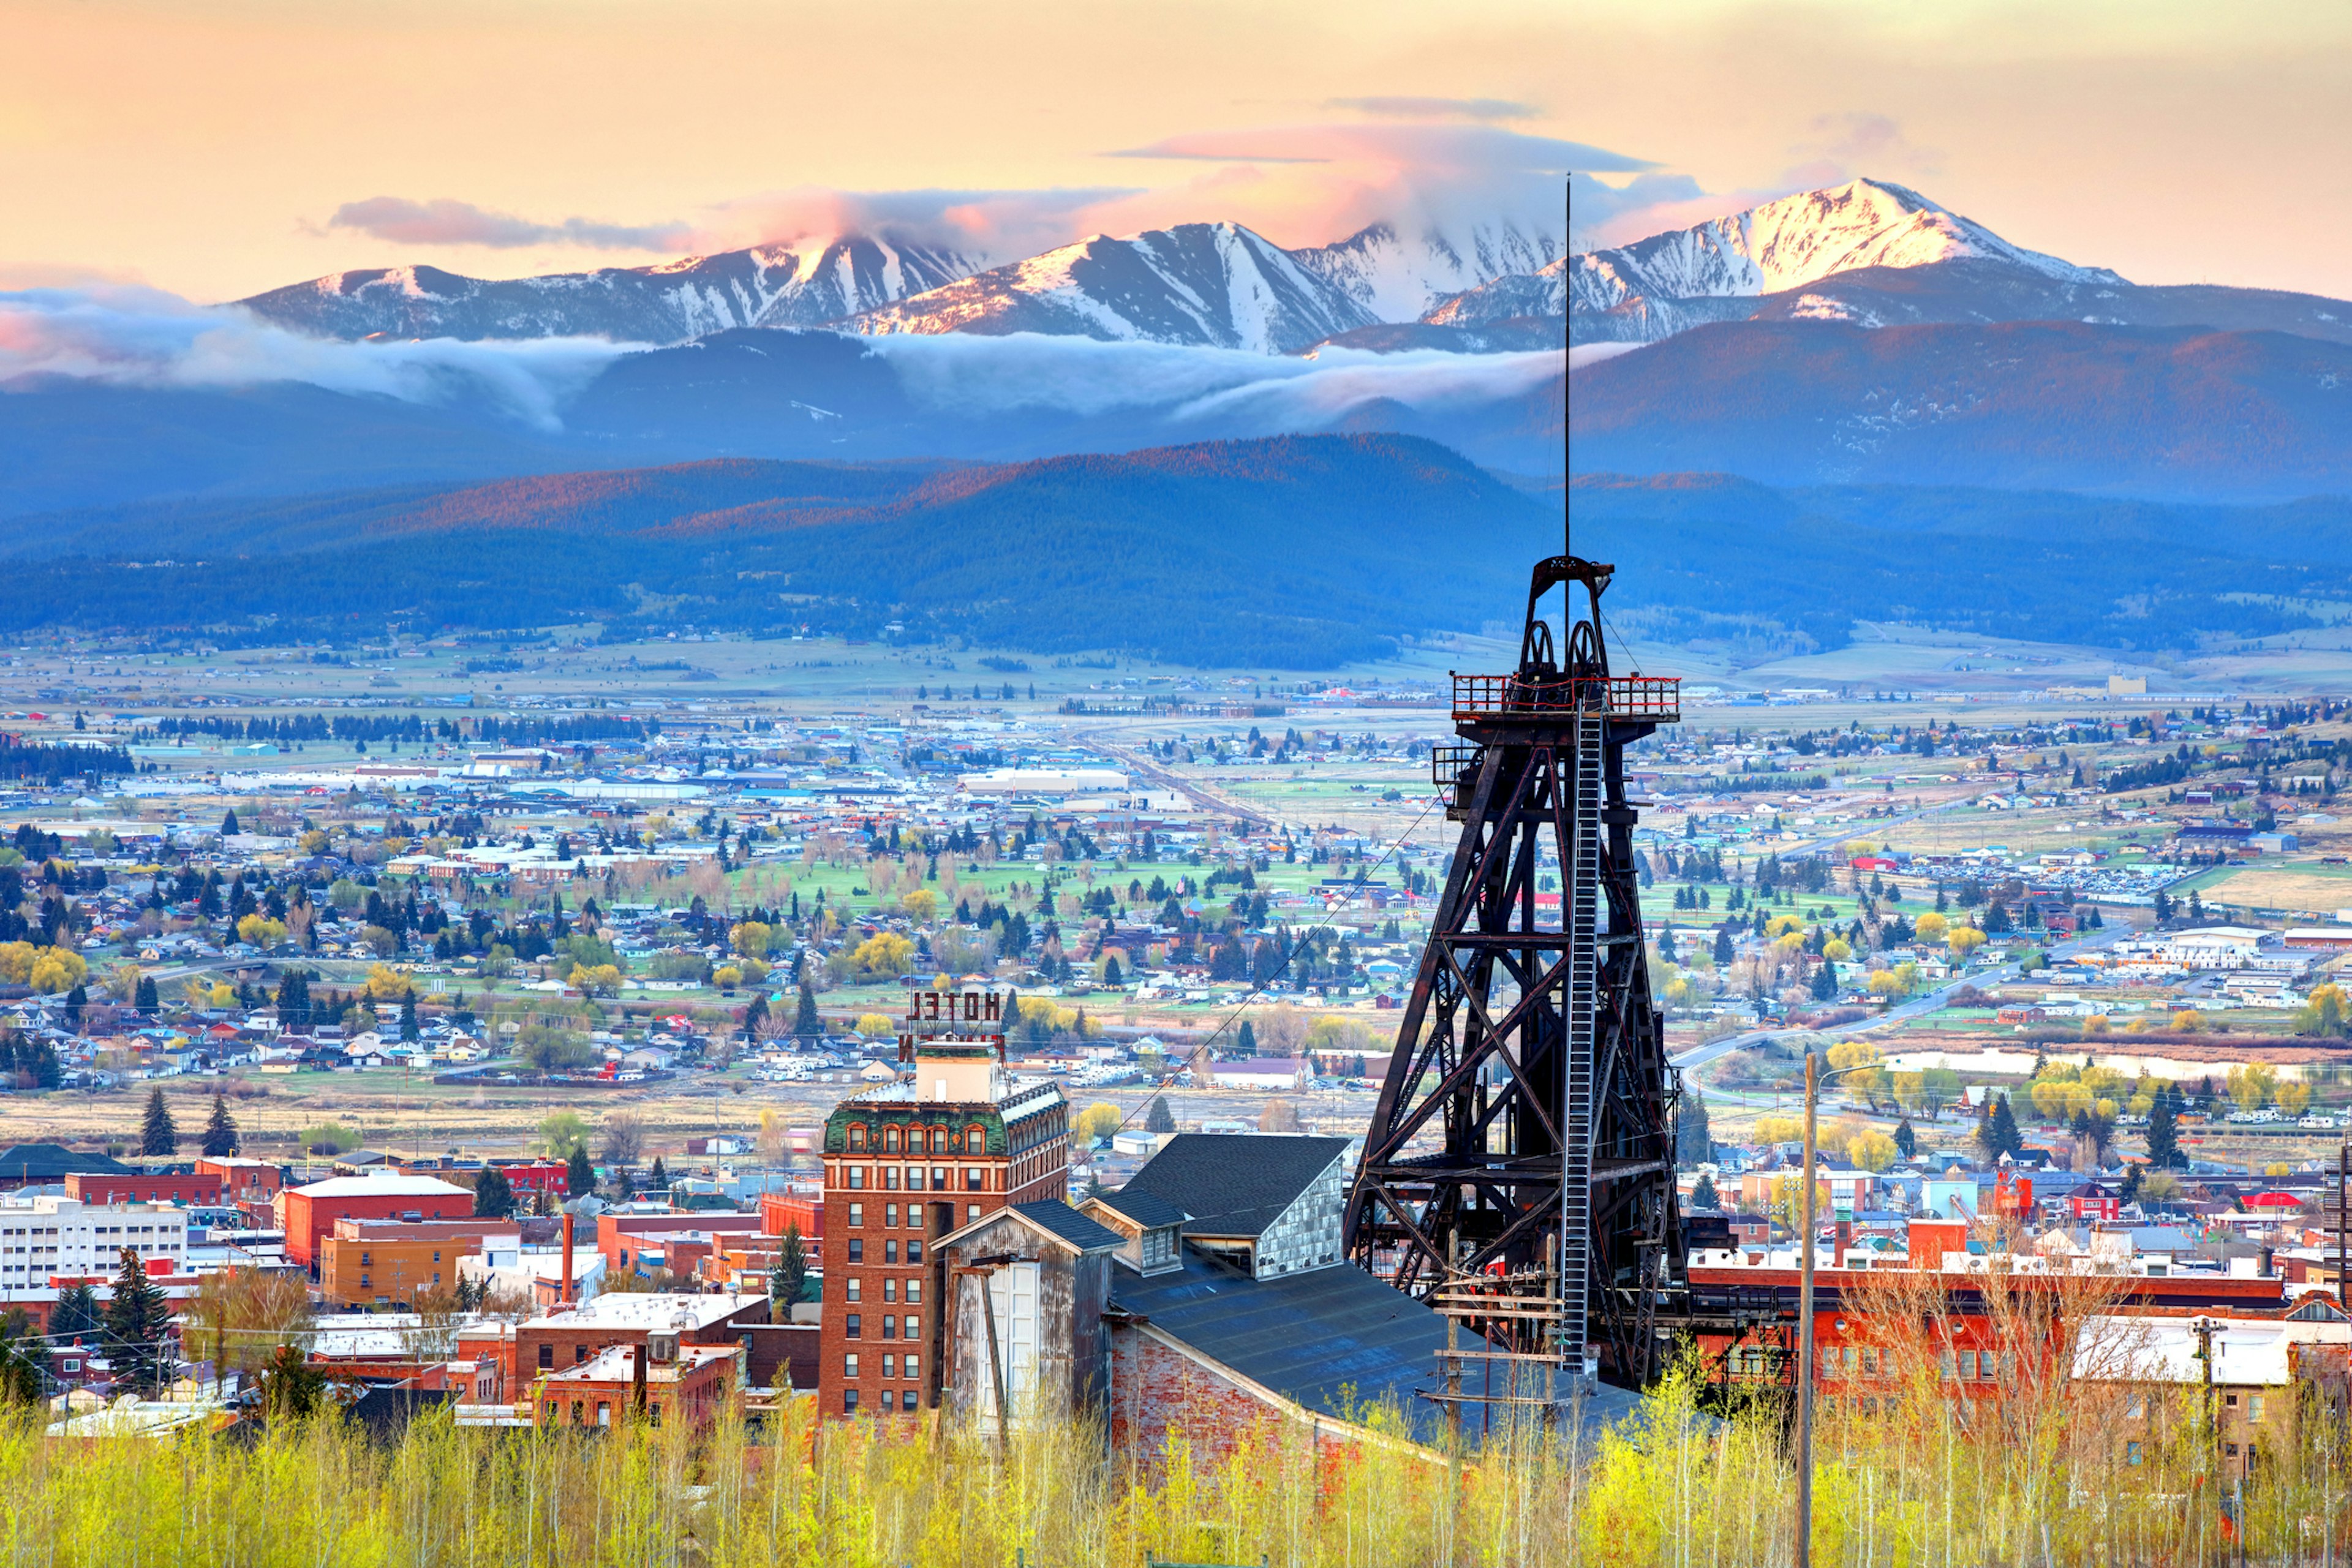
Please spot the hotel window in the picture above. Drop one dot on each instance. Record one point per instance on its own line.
(546, 1358)
(914, 1287)
(857, 1251)
(857, 1139)
(912, 1372)
(856, 1178)
(849, 1365)
(975, 1141)
(890, 1216)
(2253, 1407)
(890, 1140)
(913, 1326)
(849, 1291)
(890, 1327)
(850, 1326)
(890, 1178)
(849, 1399)
(914, 1178)
(890, 1289)
(890, 1366)
(857, 1214)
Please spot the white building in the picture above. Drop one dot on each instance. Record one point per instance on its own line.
(44, 1238)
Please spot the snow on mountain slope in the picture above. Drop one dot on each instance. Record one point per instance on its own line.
(1212, 285)
(1399, 279)
(1543, 293)
(774, 286)
(1798, 240)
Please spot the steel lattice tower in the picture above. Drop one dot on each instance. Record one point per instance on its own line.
(1520, 1157)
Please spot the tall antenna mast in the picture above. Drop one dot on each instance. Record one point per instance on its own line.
(1567, 362)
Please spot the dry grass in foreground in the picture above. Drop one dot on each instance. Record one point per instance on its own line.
(2036, 1474)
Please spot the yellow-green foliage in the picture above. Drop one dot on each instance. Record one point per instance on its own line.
(2024, 1476)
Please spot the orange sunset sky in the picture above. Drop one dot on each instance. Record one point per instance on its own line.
(208, 147)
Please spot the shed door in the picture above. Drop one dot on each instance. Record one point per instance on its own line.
(1013, 1299)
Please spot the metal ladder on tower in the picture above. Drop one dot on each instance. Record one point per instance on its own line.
(1581, 910)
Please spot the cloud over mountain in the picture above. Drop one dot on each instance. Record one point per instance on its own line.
(446, 222)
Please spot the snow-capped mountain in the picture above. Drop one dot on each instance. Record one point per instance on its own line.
(1211, 285)
(1792, 242)
(1521, 294)
(768, 285)
(1398, 279)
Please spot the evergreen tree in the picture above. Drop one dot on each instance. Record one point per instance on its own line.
(145, 998)
(24, 1360)
(220, 1131)
(2164, 1131)
(1694, 1139)
(2004, 1129)
(494, 1195)
(77, 1316)
(657, 1179)
(158, 1137)
(1825, 980)
(408, 1030)
(1723, 949)
(1159, 1118)
(1988, 1143)
(76, 1000)
(228, 825)
(788, 1280)
(1703, 1197)
(579, 1175)
(136, 1321)
(806, 1024)
(1907, 1142)
(1246, 1040)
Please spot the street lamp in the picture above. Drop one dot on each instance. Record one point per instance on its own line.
(1814, 1078)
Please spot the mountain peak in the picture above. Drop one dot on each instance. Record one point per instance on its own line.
(1796, 240)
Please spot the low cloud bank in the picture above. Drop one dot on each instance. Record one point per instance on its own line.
(142, 337)
(132, 336)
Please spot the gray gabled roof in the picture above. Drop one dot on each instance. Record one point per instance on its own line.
(1145, 1209)
(1233, 1184)
(1060, 1220)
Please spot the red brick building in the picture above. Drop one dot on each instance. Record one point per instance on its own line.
(662, 1383)
(640, 1243)
(308, 1214)
(242, 1180)
(189, 1191)
(547, 1176)
(561, 1341)
(905, 1164)
(801, 1208)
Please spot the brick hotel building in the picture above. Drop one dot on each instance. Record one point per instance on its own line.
(953, 1140)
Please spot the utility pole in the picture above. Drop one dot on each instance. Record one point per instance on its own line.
(1805, 1326)
(1453, 1416)
(2343, 1156)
